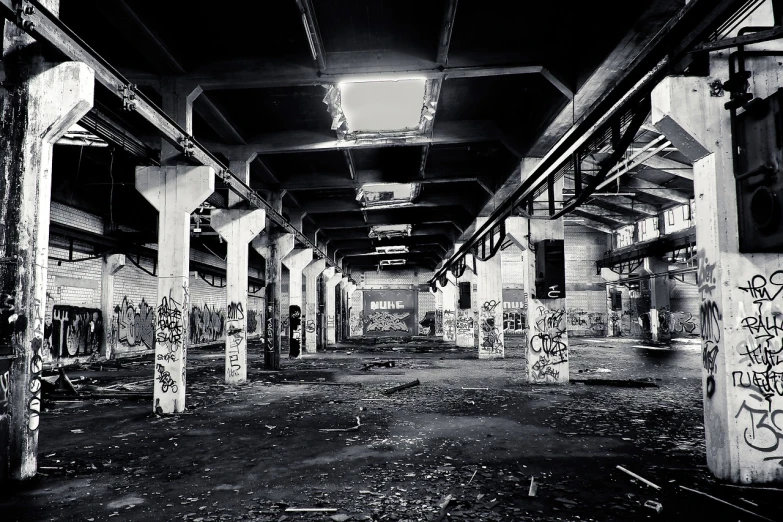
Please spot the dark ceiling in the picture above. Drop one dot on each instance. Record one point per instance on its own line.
(263, 94)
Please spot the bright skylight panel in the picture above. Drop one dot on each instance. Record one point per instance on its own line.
(379, 106)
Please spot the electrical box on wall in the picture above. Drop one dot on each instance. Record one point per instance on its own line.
(550, 269)
(464, 295)
(758, 169)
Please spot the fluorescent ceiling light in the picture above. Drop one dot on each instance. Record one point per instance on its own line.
(385, 231)
(388, 195)
(396, 249)
(390, 262)
(378, 106)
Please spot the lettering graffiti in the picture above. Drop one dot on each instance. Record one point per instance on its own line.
(206, 325)
(36, 367)
(382, 321)
(235, 331)
(449, 325)
(166, 381)
(548, 345)
(489, 306)
(464, 322)
(439, 322)
(491, 342)
(75, 331)
(135, 326)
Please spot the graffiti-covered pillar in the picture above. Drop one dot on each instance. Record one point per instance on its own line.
(340, 316)
(350, 288)
(237, 227)
(311, 273)
(466, 304)
(273, 247)
(112, 264)
(41, 100)
(296, 261)
(175, 191)
(489, 300)
(660, 303)
(449, 299)
(331, 284)
(739, 287)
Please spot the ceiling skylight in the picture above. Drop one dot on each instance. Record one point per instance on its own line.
(388, 195)
(383, 106)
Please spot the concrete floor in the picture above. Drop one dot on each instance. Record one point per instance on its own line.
(247, 452)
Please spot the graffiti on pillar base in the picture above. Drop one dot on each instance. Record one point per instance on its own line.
(169, 329)
(547, 345)
(270, 331)
(76, 331)
(357, 323)
(236, 334)
(464, 322)
(36, 367)
(490, 333)
(439, 322)
(383, 321)
(449, 325)
(206, 325)
(295, 325)
(166, 381)
(134, 326)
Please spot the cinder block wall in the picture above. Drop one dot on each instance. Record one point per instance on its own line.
(426, 301)
(77, 285)
(586, 312)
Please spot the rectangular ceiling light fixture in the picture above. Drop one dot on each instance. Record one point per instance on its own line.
(388, 195)
(392, 262)
(396, 249)
(387, 231)
(383, 106)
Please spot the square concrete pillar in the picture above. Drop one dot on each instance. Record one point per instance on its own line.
(175, 192)
(741, 302)
(296, 261)
(273, 248)
(449, 299)
(489, 299)
(660, 302)
(111, 265)
(237, 227)
(331, 310)
(466, 318)
(40, 102)
(311, 274)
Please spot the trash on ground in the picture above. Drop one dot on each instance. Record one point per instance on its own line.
(353, 428)
(402, 387)
(637, 477)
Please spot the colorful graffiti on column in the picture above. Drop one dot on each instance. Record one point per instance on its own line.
(133, 326)
(76, 331)
(389, 312)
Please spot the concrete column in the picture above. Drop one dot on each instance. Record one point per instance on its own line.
(237, 227)
(438, 313)
(177, 102)
(340, 315)
(547, 336)
(350, 288)
(489, 300)
(331, 310)
(660, 304)
(41, 101)
(311, 273)
(740, 293)
(296, 261)
(175, 192)
(450, 309)
(111, 265)
(273, 247)
(614, 321)
(466, 320)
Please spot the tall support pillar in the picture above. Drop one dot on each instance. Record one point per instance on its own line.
(547, 339)
(450, 309)
(350, 288)
(740, 293)
(296, 261)
(112, 264)
(438, 313)
(340, 316)
(237, 226)
(489, 300)
(311, 273)
(466, 320)
(273, 247)
(41, 102)
(660, 304)
(331, 309)
(175, 192)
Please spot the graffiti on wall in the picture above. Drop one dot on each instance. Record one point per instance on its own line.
(710, 320)
(357, 323)
(514, 321)
(206, 324)
(383, 321)
(439, 322)
(134, 326)
(235, 330)
(548, 348)
(76, 331)
(465, 322)
(579, 319)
